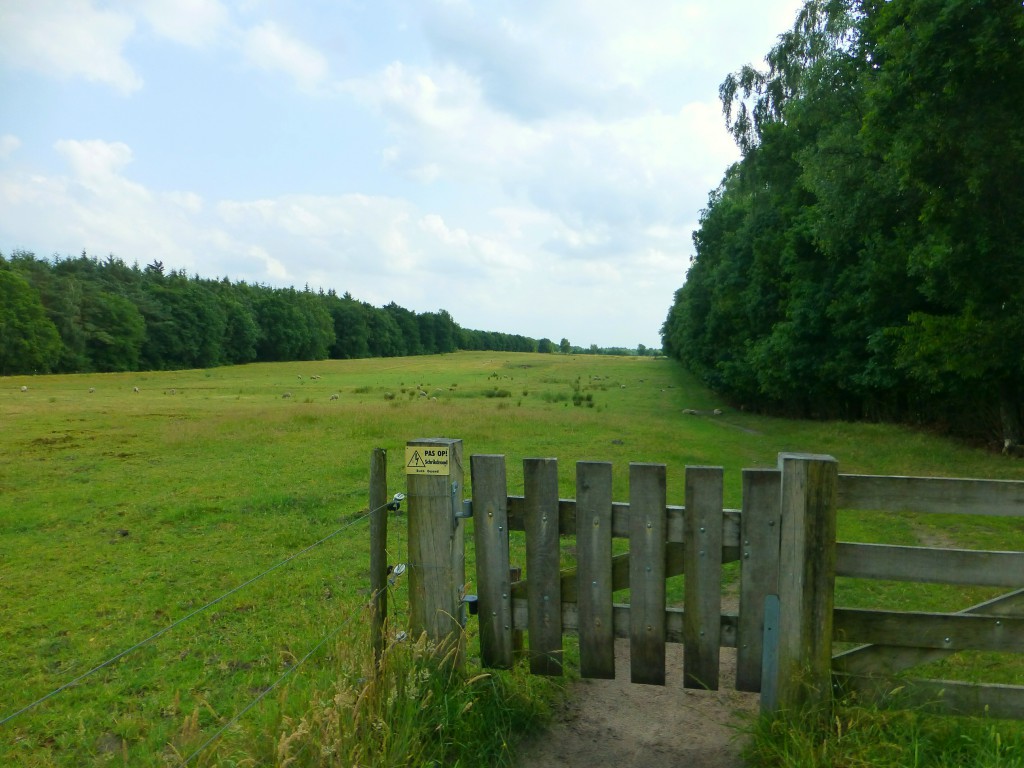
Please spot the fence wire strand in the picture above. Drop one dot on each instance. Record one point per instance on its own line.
(238, 715)
(185, 618)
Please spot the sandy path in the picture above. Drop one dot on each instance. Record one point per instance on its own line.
(616, 723)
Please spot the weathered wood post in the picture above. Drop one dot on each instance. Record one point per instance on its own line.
(437, 565)
(807, 573)
(378, 548)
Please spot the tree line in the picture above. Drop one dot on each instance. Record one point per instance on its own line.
(865, 257)
(82, 314)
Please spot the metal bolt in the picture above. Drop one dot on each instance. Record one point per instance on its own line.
(648, 525)
(746, 555)
(947, 640)
(702, 529)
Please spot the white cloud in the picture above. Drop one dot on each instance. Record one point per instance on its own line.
(188, 22)
(270, 48)
(8, 145)
(68, 39)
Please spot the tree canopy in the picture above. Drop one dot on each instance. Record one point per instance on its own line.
(83, 314)
(865, 257)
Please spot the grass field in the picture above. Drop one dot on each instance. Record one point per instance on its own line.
(123, 511)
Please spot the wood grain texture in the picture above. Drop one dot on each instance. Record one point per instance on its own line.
(930, 565)
(593, 583)
(759, 569)
(541, 516)
(1004, 498)
(490, 538)
(702, 542)
(806, 579)
(647, 499)
(945, 631)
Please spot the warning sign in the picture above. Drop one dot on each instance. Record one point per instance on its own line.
(426, 460)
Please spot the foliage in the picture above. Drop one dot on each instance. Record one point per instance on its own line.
(82, 315)
(28, 338)
(864, 258)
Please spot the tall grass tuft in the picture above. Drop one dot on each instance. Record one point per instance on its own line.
(413, 708)
(859, 736)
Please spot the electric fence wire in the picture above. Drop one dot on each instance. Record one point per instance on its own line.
(183, 619)
(238, 715)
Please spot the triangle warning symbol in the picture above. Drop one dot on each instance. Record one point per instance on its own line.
(416, 460)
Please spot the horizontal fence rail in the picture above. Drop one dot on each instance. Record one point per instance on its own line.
(901, 640)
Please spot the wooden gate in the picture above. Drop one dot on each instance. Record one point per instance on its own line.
(784, 622)
(664, 541)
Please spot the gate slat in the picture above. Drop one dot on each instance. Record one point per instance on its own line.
(490, 536)
(594, 569)
(544, 595)
(647, 504)
(702, 524)
(759, 569)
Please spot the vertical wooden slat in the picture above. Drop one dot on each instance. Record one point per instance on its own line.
(540, 479)
(807, 567)
(378, 548)
(647, 528)
(702, 540)
(490, 536)
(594, 570)
(759, 570)
(770, 654)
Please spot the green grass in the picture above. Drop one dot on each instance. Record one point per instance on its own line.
(121, 512)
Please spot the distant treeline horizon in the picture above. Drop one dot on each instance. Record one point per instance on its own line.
(83, 315)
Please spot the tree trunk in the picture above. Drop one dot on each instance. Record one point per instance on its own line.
(1010, 415)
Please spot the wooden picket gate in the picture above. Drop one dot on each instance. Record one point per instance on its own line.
(784, 538)
(664, 541)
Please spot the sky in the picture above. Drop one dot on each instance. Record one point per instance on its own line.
(533, 167)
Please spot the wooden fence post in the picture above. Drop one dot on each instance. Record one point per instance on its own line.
(437, 566)
(378, 548)
(807, 571)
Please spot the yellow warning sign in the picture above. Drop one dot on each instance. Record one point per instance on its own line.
(426, 460)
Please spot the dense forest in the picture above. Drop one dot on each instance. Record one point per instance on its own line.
(865, 257)
(83, 314)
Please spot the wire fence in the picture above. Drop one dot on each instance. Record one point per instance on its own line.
(392, 505)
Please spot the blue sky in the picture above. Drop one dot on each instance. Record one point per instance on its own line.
(533, 167)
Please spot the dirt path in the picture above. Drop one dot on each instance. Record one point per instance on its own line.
(616, 723)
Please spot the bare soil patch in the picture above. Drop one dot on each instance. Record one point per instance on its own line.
(607, 723)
